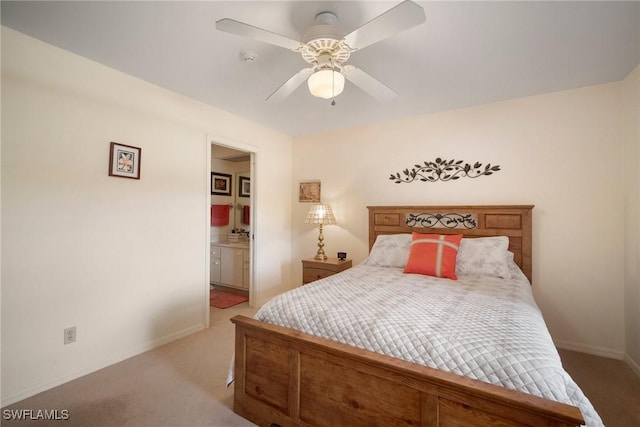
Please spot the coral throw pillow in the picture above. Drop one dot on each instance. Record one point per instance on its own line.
(434, 255)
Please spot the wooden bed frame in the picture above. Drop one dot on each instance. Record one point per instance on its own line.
(287, 378)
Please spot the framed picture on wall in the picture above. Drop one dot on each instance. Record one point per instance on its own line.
(220, 184)
(309, 192)
(244, 186)
(124, 161)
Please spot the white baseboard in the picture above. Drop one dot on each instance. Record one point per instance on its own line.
(590, 349)
(635, 366)
(32, 391)
(600, 351)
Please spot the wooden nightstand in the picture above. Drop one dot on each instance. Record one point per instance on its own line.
(313, 269)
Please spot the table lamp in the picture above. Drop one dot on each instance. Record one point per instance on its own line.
(323, 215)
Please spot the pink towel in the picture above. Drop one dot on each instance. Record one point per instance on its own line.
(219, 215)
(245, 215)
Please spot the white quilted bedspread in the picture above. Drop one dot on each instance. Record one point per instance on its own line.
(489, 329)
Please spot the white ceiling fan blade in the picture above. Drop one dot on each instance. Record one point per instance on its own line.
(399, 18)
(241, 29)
(290, 85)
(368, 84)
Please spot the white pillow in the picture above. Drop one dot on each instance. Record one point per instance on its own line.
(483, 256)
(390, 250)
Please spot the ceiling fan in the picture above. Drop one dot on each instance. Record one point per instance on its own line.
(326, 49)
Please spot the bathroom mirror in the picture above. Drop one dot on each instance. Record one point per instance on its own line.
(242, 217)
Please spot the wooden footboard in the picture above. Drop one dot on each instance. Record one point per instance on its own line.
(287, 378)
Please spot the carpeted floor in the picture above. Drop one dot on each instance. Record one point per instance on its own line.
(610, 385)
(182, 384)
(179, 384)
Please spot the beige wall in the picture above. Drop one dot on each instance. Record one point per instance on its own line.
(562, 152)
(631, 94)
(125, 261)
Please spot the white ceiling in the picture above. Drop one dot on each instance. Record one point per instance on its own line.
(465, 54)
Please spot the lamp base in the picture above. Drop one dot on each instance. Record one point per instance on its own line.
(320, 255)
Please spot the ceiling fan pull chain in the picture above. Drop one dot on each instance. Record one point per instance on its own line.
(333, 83)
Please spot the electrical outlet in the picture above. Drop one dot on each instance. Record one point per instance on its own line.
(70, 335)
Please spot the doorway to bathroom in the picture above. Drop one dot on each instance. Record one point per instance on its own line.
(231, 223)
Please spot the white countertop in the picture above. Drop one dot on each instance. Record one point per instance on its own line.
(243, 245)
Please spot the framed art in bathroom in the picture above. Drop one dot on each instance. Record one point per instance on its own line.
(244, 186)
(220, 184)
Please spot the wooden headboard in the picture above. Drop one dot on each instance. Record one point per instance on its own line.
(513, 221)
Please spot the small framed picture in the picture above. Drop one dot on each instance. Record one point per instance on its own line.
(124, 161)
(220, 184)
(244, 186)
(309, 192)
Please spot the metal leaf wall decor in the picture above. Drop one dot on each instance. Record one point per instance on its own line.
(443, 170)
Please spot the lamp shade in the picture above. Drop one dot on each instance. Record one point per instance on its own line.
(326, 83)
(320, 214)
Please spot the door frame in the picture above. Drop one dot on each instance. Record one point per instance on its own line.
(212, 139)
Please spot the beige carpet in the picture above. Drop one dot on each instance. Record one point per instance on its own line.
(179, 384)
(610, 385)
(182, 384)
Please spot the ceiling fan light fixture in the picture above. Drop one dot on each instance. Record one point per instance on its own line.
(326, 83)
(326, 49)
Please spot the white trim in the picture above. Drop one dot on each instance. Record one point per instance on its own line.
(231, 143)
(252, 219)
(590, 349)
(207, 203)
(635, 367)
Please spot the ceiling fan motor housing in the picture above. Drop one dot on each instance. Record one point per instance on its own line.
(326, 61)
(324, 38)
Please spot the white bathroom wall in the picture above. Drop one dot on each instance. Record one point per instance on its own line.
(235, 169)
